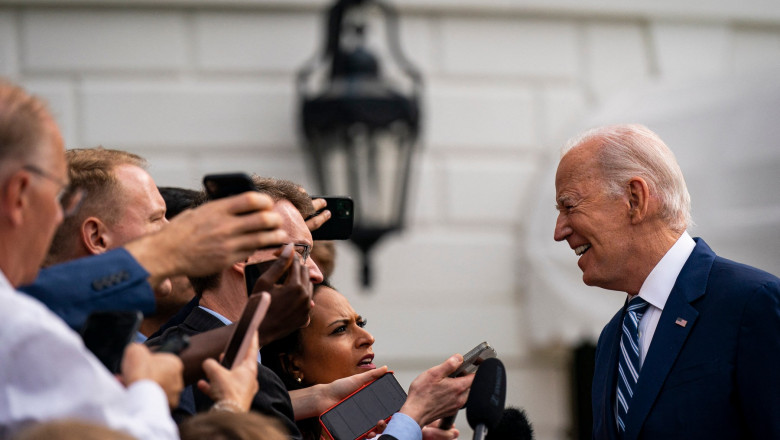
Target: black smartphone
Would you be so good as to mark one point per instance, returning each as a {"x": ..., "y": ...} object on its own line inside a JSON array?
[
  {"x": 254, "y": 312},
  {"x": 253, "y": 272},
  {"x": 358, "y": 413},
  {"x": 339, "y": 225},
  {"x": 228, "y": 184},
  {"x": 107, "y": 333},
  {"x": 174, "y": 343},
  {"x": 471, "y": 361}
]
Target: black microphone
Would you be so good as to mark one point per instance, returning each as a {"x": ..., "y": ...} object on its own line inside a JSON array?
[
  {"x": 485, "y": 404},
  {"x": 513, "y": 425}
]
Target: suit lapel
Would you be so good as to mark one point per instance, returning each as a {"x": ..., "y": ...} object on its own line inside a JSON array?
[
  {"x": 670, "y": 335},
  {"x": 605, "y": 379}
]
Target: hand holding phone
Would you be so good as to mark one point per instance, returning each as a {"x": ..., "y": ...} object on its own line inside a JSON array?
[
  {"x": 107, "y": 333},
  {"x": 339, "y": 225},
  {"x": 471, "y": 361},
  {"x": 254, "y": 312},
  {"x": 355, "y": 416}
]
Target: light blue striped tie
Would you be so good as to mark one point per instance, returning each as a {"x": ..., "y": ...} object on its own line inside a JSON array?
[{"x": 628, "y": 363}]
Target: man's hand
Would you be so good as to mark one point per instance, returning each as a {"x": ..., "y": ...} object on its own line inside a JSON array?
[
  {"x": 433, "y": 394},
  {"x": 314, "y": 400},
  {"x": 432, "y": 432},
  {"x": 314, "y": 222},
  {"x": 204, "y": 240},
  {"x": 139, "y": 363},
  {"x": 290, "y": 302},
  {"x": 236, "y": 386}
]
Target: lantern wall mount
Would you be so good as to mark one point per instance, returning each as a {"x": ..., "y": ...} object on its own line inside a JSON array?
[{"x": 360, "y": 119}]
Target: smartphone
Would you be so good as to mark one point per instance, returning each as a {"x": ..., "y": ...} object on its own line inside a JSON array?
[
  {"x": 174, "y": 343},
  {"x": 473, "y": 358},
  {"x": 226, "y": 185},
  {"x": 253, "y": 272},
  {"x": 339, "y": 225},
  {"x": 358, "y": 413},
  {"x": 254, "y": 312},
  {"x": 107, "y": 333},
  {"x": 471, "y": 361}
]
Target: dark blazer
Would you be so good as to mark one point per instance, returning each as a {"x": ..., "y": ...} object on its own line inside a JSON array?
[
  {"x": 713, "y": 368},
  {"x": 272, "y": 399},
  {"x": 109, "y": 281}
]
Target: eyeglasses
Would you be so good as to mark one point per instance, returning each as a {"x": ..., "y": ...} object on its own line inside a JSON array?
[
  {"x": 68, "y": 198},
  {"x": 303, "y": 250}
]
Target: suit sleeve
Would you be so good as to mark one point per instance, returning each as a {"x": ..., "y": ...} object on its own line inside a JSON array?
[
  {"x": 110, "y": 281},
  {"x": 757, "y": 362}
]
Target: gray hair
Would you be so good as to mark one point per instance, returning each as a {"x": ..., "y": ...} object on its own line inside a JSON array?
[{"x": 633, "y": 150}]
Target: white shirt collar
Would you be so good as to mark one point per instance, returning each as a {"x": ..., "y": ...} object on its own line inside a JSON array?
[
  {"x": 658, "y": 285},
  {"x": 217, "y": 315},
  {"x": 5, "y": 285}
]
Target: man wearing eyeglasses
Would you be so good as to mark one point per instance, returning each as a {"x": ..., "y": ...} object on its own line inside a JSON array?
[
  {"x": 33, "y": 182},
  {"x": 223, "y": 296}
]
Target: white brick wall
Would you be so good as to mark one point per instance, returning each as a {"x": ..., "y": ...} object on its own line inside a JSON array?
[
  {"x": 199, "y": 89},
  {"x": 88, "y": 40},
  {"x": 257, "y": 41}
]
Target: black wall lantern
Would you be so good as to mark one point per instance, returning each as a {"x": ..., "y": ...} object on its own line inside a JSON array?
[{"x": 361, "y": 118}]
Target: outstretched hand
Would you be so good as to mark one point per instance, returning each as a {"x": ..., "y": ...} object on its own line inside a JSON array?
[
  {"x": 237, "y": 385},
  {"x": 433, "y": 394},
  {"x": 205, "y": 240},
  {"x": 314, "y": 400}
]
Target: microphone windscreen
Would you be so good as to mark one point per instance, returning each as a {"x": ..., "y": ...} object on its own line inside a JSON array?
[
  {"x": 485, "y": 403},
  {"x": 513, "y": 425}
]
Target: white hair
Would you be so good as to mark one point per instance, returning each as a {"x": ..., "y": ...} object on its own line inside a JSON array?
[{"x": 633, "y": 150}]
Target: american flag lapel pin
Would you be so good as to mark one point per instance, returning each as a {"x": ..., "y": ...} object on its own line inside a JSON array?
[{"x": 681, "y": 322}]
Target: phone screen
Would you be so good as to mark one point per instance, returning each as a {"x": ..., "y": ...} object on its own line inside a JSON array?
[
  {"x": 107, "y": 334},
  {"x": 355, "y": 416}
]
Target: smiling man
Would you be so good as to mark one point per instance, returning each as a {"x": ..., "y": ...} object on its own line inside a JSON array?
[{"x": 694, "y": 352}]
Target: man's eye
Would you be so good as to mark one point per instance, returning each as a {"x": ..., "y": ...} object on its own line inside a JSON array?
[{"x": 362, "y": 323}]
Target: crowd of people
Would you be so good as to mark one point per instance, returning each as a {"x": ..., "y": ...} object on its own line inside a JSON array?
[
  {"x": 692, "y": 354},
  {"x": 87, "y": 230}
]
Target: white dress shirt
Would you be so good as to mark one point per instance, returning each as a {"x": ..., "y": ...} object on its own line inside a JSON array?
[
  {"x": 657, "y": 287},
  {"x": 47, "y": 373}
]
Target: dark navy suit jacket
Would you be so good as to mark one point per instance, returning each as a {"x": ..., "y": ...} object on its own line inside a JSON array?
[
  {"x": 272, "y": 399},
  {"x": 713, "y": 368},
  {"x": 109, "y": 281}
]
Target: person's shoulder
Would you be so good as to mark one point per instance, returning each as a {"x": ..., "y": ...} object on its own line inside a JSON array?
[{"x": 730, "y": 271}]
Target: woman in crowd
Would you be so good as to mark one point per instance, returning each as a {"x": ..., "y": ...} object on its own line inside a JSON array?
[{"x": 334, "y": 345}]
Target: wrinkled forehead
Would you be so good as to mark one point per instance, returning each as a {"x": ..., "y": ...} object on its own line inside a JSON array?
[{"x": 578, "y": 165}]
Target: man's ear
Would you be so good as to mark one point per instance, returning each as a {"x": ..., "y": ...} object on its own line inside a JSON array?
[
  {"x": 239, "y": 266},
  {"x": 638, "y": 199},
  {"x": 13, "y": 197},
  {"x": 95, "y": 235}
]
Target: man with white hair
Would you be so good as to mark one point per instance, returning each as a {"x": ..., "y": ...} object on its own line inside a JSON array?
[{"x": 695, "y": 351}]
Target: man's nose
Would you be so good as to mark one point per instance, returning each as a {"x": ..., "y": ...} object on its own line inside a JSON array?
[
  {"x": 315, "y": 275},
  {"x": 562, "y": 228}
]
